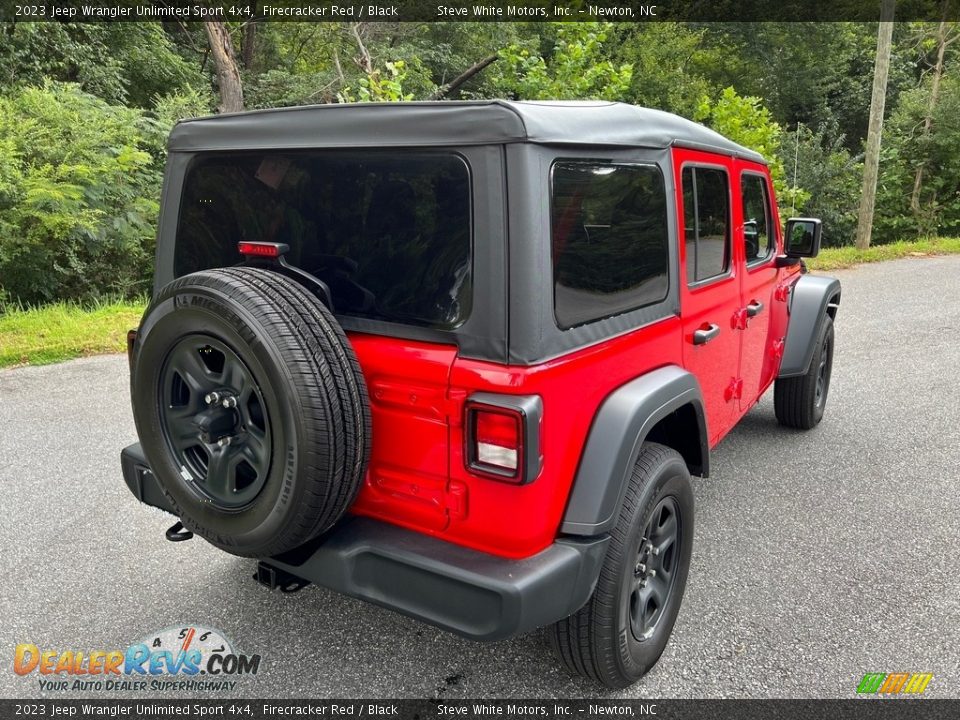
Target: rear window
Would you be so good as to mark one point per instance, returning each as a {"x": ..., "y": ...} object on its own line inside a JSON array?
[{"x": 389, "y": 232}]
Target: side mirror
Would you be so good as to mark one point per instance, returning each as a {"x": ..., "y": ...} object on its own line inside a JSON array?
[{"x": 802, "y": 238}]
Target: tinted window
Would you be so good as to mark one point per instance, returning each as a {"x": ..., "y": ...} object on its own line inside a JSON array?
[
  {"x": 706, "y": 214},
  {"x": 609, "y": 229},
  {"x": 389, "y": 232},
  {"x": 758, "y": 236}
]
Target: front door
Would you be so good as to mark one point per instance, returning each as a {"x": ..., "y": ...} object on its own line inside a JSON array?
[
  {"x": 758, "y": 231},
  {"x": 709, "y": 283}
]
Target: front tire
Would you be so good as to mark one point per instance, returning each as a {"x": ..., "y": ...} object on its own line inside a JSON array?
[
  {"x": 799, "y": 402},
  {"x": 623, "y": 629}
]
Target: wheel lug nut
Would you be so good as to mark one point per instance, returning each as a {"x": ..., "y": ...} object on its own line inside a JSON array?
[
  {"x": 230, "y": 402},
  {"x": 223, "y": 442},
  {"x": 653, "y": 573},
  {"x": 212, "y": 398},
  {"x": 655, "y": 551}
]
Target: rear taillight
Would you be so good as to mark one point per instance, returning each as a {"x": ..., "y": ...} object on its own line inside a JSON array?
[
  {"x": 503, "y": 436},
  {"x": 499, "y": 439}
]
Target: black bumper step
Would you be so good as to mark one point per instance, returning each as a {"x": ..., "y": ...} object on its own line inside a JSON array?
[{"x": 474, "y": 594}]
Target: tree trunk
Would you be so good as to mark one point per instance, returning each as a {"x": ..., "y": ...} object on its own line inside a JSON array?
[
  {"x": 871, "y": 162},
  {"x": 225, "y": 60},
  {"x": 249, "y": 44}
]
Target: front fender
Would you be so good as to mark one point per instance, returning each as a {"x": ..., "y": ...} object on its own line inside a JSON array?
[
  {"x": 810, "y": 297},
  {"x": 621, "y": 425}
]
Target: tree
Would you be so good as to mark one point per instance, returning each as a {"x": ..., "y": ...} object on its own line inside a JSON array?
[
  {"x": 669, "y": 61},
  {"x": 746, "y": 121},
  {"x": 576, "y": 67},
  {"x": 225, "y": 60},
  {"x": 946, "y": 34},
  {"x": 871, "y": 161},
  {"x": 79, "y": 192},
  {"x": 818, "y": 161}
]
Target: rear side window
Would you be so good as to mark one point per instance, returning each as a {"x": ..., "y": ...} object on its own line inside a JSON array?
[
  {"x": 706, "y": 221},
  {"x": 389, "y": 232},
  {"x": 758, "y": 236},
  {"x": 609, "y": 240}
]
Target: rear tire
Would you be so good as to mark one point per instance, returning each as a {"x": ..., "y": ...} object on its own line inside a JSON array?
[
  {"x": 621, "y": 631},
  {"x": 799, "y": 402},
  {"x": 251, "y": 409}
]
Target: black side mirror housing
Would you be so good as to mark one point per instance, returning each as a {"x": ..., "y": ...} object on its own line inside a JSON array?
[{"x": 802, "y": 238}]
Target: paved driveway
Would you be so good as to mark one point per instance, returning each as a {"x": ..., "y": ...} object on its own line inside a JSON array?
[{"x": 819, "y": 556}]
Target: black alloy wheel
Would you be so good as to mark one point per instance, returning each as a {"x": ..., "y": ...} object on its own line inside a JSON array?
[
  {"x": 654, "y": 576},
  {"x": 215, "y": 421},
  {"x": 823, "y": 370}
]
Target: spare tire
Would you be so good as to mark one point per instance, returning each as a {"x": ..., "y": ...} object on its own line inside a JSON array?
[{"x": 251, "y": 409}]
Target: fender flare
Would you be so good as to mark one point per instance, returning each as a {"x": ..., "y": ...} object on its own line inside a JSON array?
[
  {"x": 619, "y": 429},
  {"x": 810, "y": 298}
]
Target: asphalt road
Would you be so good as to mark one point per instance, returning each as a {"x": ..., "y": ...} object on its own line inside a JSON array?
[{"x": 818, "y": 557}]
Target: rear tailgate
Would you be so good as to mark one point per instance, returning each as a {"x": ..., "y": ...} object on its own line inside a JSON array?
[{"x": 408, "y": 482}]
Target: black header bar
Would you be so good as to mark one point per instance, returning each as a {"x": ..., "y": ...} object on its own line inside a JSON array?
[{"x": 480, "y": 11}]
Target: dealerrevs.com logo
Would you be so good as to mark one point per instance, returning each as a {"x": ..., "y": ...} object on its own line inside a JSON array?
[{"x": 191, "y": 658}]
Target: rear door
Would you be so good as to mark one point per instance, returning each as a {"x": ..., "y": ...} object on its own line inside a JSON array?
[
  {"x": 709, "y": 283},
  {"x": 757, "y": 233}
]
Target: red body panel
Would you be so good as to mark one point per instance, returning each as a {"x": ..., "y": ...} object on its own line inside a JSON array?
[
  {"x": 417, "y": 476},
  {"x": 408, "y": 478},
  {"x": 417, "y": 441},
  {"x": 759, "y": 360},
  {"x": 715, "y": 302}
]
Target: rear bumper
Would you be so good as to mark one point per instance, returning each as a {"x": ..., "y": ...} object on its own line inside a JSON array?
[{"x": 473, "y": 594}]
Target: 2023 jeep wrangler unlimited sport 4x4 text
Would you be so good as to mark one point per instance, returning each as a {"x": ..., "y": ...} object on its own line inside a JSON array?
[{"x": 460, "y": 359}]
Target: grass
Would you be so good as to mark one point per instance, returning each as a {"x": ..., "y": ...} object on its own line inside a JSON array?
[
  {"x": 61, "y": 331},
  {"x": 844, "y": 257}
]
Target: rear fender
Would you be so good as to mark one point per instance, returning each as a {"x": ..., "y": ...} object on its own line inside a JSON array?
[{"x": 619, "y": 429}]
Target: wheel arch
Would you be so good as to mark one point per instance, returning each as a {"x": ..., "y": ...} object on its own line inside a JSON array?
[
  {"x": 665, "y": 406},
  {"x": 811, "y": 297}
]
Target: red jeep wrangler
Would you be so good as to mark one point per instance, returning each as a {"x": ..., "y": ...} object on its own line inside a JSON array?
[{"x": 460, "y": 359}]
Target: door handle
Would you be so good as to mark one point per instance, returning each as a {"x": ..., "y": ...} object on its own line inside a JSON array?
[
  {"x": 705, "y": 335},
  {"x": 754, "y": 308}
]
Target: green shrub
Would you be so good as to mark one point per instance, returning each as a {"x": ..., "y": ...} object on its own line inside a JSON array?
[{"x": 79, "y": 189}]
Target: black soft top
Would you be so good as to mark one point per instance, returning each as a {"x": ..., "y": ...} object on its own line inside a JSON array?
[{"x": 450, "y": 123}]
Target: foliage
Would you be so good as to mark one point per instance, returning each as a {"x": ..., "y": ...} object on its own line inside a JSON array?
[
  {"x": 61, "y": 331},
  {"x": 574, "y": 68},
  {"x": 671, "y": 65},
  {"x": 818, "y": 161},
  {"x": 119, "y": 62},
  {"x": 85, "y": 110},
  {"x": 78, "y": 195},
  {"x": 377, "y": 86},
  {"x": 744, "y": 120},
  {"x": 908, "y": 147}
]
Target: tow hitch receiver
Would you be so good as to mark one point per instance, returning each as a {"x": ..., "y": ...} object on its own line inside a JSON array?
[
  {"x": 274, "y": 578},
  {"x": 178, "y": 533}
]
